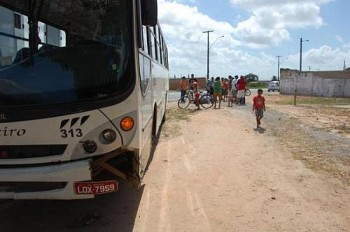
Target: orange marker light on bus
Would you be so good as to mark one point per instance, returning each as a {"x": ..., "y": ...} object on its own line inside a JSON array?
[{"x": 127, "y": 123}]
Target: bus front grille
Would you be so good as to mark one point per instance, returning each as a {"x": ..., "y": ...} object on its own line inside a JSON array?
[
  {"x": 30, "y": 151},
  {"x": 18, "y": 187}
]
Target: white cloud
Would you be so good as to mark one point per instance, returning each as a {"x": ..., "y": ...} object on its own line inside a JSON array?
[
  {"x": 184, "y": 1},
  {"x": 183, "y": 28},
  {"x": 270, "y": 22},
  {"x": 339, "y": 38},
  {"x": 251, "y": 5},
  {"x": 320, "y": 59},
  {"x": 327, "y": 58}
]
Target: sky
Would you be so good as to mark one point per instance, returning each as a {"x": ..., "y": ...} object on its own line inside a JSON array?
[{"x": 255, "y": 33}]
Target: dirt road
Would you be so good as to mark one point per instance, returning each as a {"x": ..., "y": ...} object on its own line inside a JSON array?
[{"x": 212, "y": 171}]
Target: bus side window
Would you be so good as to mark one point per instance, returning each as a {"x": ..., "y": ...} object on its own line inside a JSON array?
[
  {"x": 145, "y": 62},
  {"x": 156, "y": 42},
  {"x": 159, "y": 44},
  {"x": 153, "y": 43},
  {"x": 163, "y": 52},
  {"x": 145, "y": 37},
  {"x": 166, "y": 61},
  {"x": 145, "y": 73}
]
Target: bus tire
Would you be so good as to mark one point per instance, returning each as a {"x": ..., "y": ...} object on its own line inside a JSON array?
[
  {"x": 154, "y": 123},
  {"x": 164, "y": 117},
  {"x": 165, "y": 105}
]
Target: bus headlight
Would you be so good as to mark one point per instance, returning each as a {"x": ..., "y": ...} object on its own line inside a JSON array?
[
  {"x": 127, "y": 123},
  {"x": 89, "y": 146},
  {"x": 109, "y": 135}
]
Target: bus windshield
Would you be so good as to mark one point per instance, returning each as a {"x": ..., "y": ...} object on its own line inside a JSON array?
[{"x": 63, "y": 51}]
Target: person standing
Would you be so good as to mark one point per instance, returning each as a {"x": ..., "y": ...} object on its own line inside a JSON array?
[
  {"x": 225, "y": 87},
  {"x": 234, "y": 88},
  {"x": 230, "y": 78},
  {"x": 212, "y": 86},
  {"x": 217, "y": 91},
  {"x": 241, "y": 86},
  {"x": 259, "y": 107},
  {"x": 183, "y": 87},
  {"x": 191, "y": 81},
  {"x": 208, "y": 85},
  {"x": 196, "y": 94},
  {"x": 230, "y": 98}
]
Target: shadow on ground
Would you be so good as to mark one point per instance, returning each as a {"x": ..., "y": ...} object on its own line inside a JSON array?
[
  {"x": 111, "y": 212},
  {"x": 260, "y": 130}
]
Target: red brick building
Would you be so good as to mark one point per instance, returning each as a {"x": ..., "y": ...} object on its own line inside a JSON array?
[{"x": 174, "y": 83}]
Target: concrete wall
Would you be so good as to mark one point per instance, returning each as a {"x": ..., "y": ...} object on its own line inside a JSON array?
[
  {"x": 174, "y": 83},
  {"x": 325, "y": 84}
]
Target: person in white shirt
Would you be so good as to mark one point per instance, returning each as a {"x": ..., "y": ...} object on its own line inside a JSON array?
[{"x": 234, "y": 88}]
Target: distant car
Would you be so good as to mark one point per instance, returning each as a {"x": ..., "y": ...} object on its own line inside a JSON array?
[{"x": 273, "y": 85}]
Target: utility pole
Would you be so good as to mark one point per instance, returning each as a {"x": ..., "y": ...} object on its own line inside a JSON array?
[
  {"x": 300, "y": 69},
  {"x": 278, "y": 67},
  {"x": 208, "y": 51},
  {"x": 344, "y": 66}
]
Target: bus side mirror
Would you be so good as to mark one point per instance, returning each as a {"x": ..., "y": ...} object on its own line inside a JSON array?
[{"x": 149, "y": 11}]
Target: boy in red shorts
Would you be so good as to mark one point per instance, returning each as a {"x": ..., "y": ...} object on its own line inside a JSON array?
[{"x": 259, "y": 107}]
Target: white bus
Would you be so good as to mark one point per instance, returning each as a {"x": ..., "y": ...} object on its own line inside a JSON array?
[{"x": 83, "y": 92}]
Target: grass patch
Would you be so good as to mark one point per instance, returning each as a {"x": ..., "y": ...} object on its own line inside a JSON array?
[
  {"x": 306, "y": 100},
  {"x": 174, "y": 117},
  {"x": 256, "y": 85},
  {"x": 178, "y": 114}
]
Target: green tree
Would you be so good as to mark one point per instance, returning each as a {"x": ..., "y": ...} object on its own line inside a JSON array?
[
  {"x": 251, "y": 77},
  {"x": 274, "y": 78}
]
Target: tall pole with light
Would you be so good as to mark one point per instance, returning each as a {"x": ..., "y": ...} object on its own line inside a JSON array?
[
  {"x": 208, "y": 51},
  {"x": 300, "y": 68},
  {"x": 216, "y": 40}
]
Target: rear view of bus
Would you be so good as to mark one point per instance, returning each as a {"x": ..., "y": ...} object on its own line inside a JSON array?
[{"x": 71, "y": 100}]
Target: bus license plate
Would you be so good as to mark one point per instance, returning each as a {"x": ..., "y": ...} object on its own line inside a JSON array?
[{"x": 99, "y": 187}]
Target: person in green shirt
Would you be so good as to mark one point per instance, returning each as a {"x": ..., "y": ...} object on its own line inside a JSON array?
[{"x": 217, "y": 91}]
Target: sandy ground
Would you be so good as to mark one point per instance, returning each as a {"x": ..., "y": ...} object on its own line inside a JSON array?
[{"x": 212, "y": 171}]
